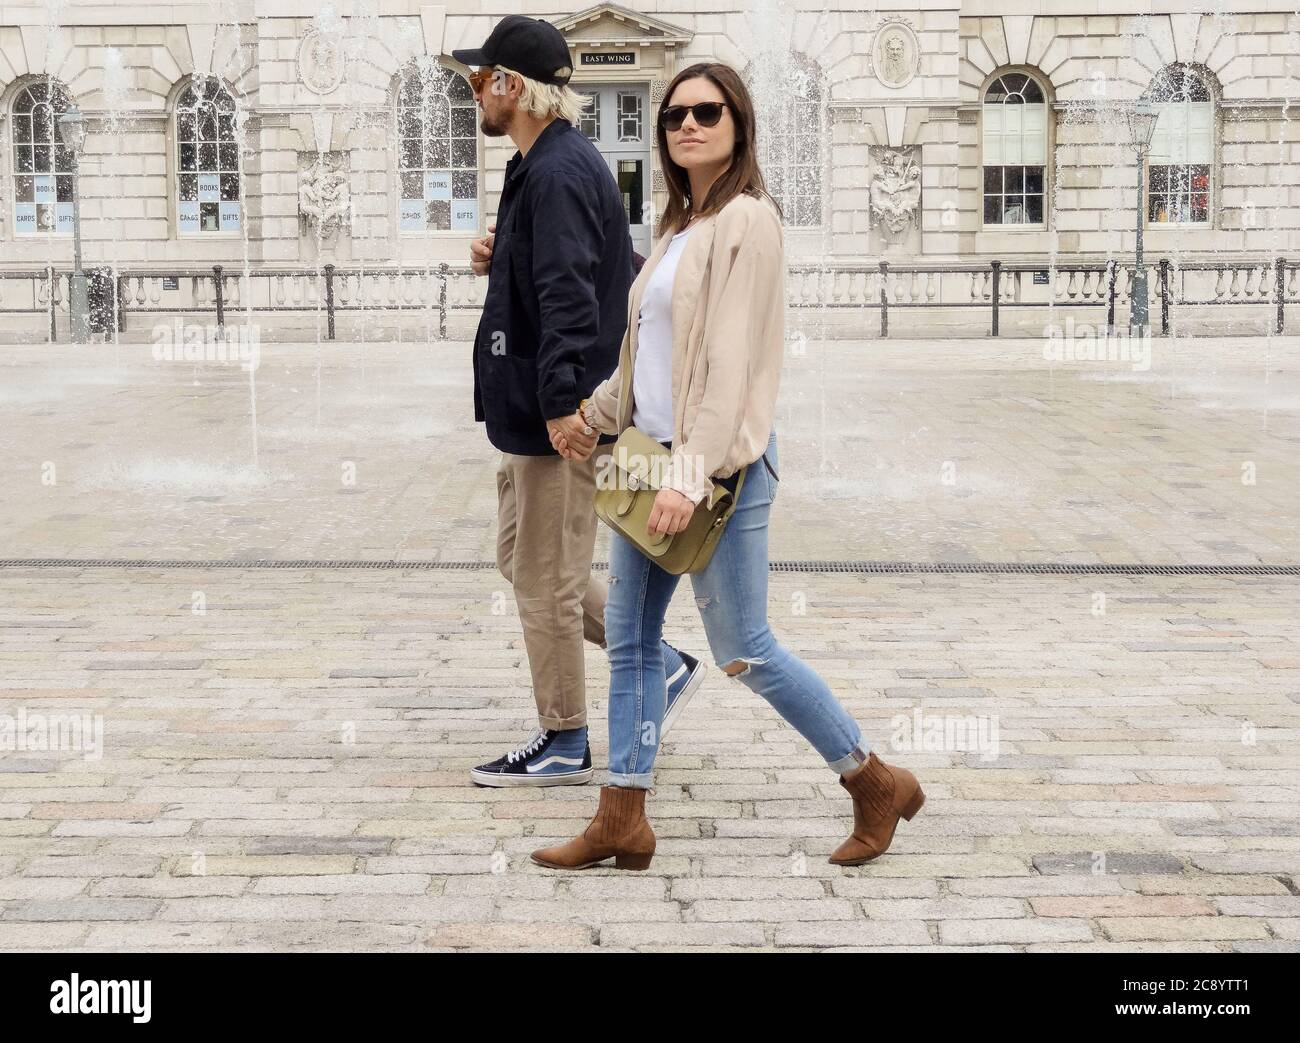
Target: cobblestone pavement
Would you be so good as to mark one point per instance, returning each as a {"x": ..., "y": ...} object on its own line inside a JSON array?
[
  {"x": 289, "y": 769},
  {"x": 284, "y": 752}
]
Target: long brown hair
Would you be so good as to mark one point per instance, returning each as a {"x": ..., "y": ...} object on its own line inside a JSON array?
[{"x": 743, "y": 176}]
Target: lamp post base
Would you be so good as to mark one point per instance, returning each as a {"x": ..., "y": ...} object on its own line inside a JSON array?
[
  {"x": 79, "y": 308},
  {"x": 1139, "y": 313}
]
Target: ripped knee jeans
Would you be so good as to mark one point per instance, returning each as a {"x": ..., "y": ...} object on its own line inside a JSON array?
[{"x": 731, "y": 595}]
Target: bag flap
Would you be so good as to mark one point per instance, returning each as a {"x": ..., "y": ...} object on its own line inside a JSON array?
[{"x": 639, "y": 456}]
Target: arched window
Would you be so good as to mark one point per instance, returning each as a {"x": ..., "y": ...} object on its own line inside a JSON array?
[
  {"x": 437, "y": 131},
  {"x": 1181, "y": 161},
  {"x": 207, "y": 158},
  {"x": 1014, "y": 122},
  {"x": 43, "y": 164},
  {"x": 788, "y": 92}
]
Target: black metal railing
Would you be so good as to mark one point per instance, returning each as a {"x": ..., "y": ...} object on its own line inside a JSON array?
[{"x": 995, "y": 286}]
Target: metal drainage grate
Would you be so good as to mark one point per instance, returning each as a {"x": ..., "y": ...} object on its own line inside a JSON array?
[{"x": 867, "y": 567}]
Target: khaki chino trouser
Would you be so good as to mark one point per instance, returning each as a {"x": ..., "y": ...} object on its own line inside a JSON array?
[{"x": 546, "y": 534}]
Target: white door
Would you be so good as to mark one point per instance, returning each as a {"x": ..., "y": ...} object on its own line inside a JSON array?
[{"x": 617, "y": 121}]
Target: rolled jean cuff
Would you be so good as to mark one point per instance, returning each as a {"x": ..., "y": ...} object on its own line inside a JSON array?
[
  {"x": 642, "y": 780},
  {"x": 851, "y": 760}
]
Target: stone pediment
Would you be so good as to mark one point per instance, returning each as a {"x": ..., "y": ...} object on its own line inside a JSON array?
[{"x": 612, "y": 25}]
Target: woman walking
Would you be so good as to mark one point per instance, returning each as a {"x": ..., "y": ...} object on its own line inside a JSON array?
[{"x": 705, "y": 340}]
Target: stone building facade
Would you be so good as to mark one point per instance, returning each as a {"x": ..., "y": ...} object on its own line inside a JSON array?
[{"x": 294, "y": 132}]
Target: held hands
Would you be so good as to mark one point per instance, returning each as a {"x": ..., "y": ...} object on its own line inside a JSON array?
[
  {"x": 480, "y": 252},
  {"x": 569, "y": 438}
]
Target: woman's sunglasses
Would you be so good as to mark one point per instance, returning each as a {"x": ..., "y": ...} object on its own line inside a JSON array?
[{"x": 706, "y": 113}]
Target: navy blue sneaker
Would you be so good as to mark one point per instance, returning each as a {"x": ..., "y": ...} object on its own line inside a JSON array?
[
  {"x": 682, "y": 684},
  {"x": 547, "y": 758}
]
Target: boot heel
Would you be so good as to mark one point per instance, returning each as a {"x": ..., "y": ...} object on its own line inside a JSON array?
[
  {"x": 914, "y": 805},
  {"x": 633, "y": 861}
]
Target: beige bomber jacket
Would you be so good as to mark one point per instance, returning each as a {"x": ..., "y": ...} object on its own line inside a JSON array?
[{"x": 728, "y": 345}]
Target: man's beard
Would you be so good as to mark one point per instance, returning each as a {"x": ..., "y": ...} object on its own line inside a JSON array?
[{"x": 492, "y": 130}]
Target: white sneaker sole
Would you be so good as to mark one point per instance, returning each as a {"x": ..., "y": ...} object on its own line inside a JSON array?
[
  {"x": 692, "y": 686},
  {"x": 568, "y": 778}
]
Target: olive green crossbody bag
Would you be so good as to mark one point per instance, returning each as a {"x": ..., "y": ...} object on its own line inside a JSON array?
[{"x": 625, "y": 496}]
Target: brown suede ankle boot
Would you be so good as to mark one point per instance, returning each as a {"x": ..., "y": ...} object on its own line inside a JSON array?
[
  {"x": 619, "y": 830},
  {"x": 881, "y": 793}
]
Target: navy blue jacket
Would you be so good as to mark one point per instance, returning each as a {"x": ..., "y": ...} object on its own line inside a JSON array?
[{"x": 556, "y": 306}]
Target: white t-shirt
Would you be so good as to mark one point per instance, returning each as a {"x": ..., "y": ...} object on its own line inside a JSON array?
[{"x": 652, "y": 376}]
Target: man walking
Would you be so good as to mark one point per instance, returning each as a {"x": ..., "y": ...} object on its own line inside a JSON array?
[{"x": 559, "y": 268}]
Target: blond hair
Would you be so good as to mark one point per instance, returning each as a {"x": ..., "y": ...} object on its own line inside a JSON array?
[{"x": 544, "y": 100}]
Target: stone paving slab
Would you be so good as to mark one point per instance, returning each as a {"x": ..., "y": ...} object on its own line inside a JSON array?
[{"x": 287, "y": 769}]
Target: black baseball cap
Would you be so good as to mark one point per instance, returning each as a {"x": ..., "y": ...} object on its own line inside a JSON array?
[{"x": 527, "y": 45}]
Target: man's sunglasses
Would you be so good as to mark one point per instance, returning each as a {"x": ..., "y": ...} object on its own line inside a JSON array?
[
  {"x": 706, "y": 113},
  {"x": 480, "y": 78}
]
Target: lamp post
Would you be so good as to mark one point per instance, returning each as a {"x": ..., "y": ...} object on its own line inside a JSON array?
[
  {"x": 1141, "y": 125},
  {"x": 73, "y": 126}
]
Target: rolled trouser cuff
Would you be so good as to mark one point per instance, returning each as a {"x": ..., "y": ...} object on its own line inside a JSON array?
[
  {"x": 640, "y": 780},
  {"x": 851, "y": 760}
]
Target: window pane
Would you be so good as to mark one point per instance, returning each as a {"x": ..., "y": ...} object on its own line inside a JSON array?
[
  {"x": 412, "y": 184},
  {"x": 459, "y": 90},
  {"x": 992, "y": 179},
  {"x": 463, "y": 123},
  {"x": 437, "y": 154},
  {"x": 1034, "y": 209},
  {"x": 1015, "y": 179},
  {"x": 42, "y": 127},
  {"x": 992, "y": 210},
  {"x": 629, "y": 116},
  {"x": 1034, "y": 179},
  {"x": 464, "y": 185},
  {"x": 439, "y": 211},
  {"x": 463, "y": 154}
]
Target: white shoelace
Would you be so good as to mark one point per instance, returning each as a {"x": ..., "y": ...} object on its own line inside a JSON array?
[{"x": 529, "y": 746}]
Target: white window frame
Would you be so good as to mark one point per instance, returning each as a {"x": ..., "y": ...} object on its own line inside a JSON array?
[
  {"x": 432, "y": 189},
  {"x": 1015, "y": 134}
]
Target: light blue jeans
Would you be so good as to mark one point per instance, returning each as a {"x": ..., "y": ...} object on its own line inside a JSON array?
[{"x": 731, "y": 593}]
